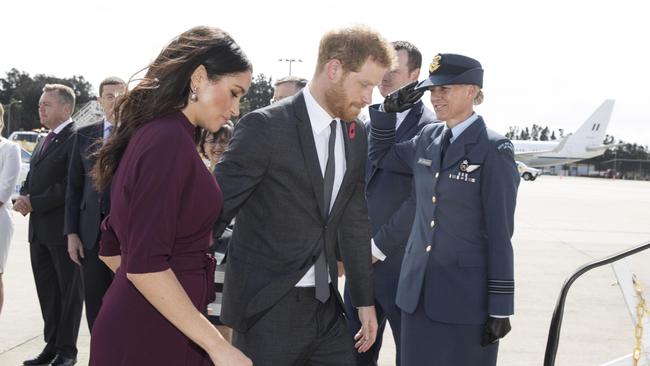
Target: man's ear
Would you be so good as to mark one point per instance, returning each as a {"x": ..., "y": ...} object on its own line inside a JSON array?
[
  {"x": 334, "y": 69},
  {"x": 415, "y": 74}
]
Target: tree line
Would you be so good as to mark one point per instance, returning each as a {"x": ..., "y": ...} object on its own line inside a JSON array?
[
  {"x": 627, "y": 159},
  {"x": 20, "y": 93}
]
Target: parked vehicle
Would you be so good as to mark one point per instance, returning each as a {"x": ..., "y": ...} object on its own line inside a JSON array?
[
  {"x": 27, "y": 139},
  {"x": 526, "y": 172}
]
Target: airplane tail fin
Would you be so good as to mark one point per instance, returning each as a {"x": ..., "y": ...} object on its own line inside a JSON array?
[{"x": 592, "y": 132}]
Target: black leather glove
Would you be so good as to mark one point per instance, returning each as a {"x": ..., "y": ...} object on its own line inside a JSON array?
[
  {"x": 495, "y": 329},
  {"x": 403, "y": 98}
]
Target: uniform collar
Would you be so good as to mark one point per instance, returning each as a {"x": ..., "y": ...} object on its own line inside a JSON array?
[{"x": 457, "y": 130}]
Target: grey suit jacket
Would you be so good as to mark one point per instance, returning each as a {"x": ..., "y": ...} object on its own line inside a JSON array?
[{"x": 271, "y": 180}]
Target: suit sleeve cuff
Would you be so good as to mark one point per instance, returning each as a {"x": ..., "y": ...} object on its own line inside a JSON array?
[
  {"x": 376, "y": 252},
  {"x": 499, "y": 316}
]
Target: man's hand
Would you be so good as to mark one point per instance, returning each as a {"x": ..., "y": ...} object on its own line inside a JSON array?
[
  {"x": 23, "y": 205},
  {"x": 75, "y": 248},
  {"x": 368, "y": 333},
  {"x": 403, "y": 98},
  {"x": 495, "y": 329}
]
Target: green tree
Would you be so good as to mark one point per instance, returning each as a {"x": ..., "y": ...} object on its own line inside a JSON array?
[
  {"x": 543, "y": 135},
  {"x": 259, "y": 95},
  {"x": 18, "y": 85}
]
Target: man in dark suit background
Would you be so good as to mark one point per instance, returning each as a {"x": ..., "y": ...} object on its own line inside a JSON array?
[
  {"x": 58, "y": 279},
  {"x": 294, "y": 175},
  {"x": 391, "y": 215},
  {"x": 84, "y": 206}
]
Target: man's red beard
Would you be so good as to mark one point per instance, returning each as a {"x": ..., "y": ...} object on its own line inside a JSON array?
[{"x": 338, "y": 102}]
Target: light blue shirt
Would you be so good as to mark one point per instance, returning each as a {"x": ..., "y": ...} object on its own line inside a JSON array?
[{"x": 459, "y": 128}]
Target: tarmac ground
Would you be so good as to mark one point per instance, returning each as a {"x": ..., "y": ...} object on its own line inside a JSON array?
[{"x": 561, "y": 223}]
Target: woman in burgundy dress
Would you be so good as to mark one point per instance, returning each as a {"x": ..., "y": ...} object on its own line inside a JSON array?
[{"x": 163, "y": 205}]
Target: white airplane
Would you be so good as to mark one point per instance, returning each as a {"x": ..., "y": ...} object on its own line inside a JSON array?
[{"x": 585, "y": 143}]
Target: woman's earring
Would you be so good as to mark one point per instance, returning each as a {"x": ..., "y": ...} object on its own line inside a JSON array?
[{"x": 193, "y": 97}]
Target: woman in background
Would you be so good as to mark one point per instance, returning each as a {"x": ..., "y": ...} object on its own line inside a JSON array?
[{"x": 212, "y": 146}]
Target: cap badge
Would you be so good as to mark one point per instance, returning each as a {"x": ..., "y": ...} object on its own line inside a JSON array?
[{"x": 435, "y": 64}]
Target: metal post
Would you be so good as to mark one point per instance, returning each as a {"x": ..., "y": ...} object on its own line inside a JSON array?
[
  {"x": 11, "y": 104},
  {"x": 290, "y": 61}
]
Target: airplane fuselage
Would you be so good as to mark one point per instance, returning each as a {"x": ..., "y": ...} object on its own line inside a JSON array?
[{"x": 545, "y": 156}]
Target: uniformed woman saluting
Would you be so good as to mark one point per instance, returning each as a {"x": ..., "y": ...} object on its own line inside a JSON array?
[{"x": 456, "y": 287}]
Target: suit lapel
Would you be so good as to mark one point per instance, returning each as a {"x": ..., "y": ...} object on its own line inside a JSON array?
[
  {"x": 308, "y": 148},
  {"x": 458, "y": 148},
  {"x": 54, "y": 145},
  {"x": 95, "y": 141},
  {"x": 349, "y": 155}
]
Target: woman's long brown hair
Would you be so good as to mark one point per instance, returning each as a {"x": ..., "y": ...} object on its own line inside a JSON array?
[{"x": 165, "y": 88}]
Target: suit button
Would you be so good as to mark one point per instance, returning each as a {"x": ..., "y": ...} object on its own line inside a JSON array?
[
  {"x": 433, "y": 199},
  {"x": 433, "y": 223},
  {"x": 428, "y": 248},
  {"x": 437, "y": 174}
]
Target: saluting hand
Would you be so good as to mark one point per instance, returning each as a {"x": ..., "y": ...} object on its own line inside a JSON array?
[
  {"x": 368, "y": 333},
  {"x": 403, "y": 98}
]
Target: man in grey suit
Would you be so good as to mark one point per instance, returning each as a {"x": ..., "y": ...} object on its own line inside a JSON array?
[{"x": 294, "y": 176}]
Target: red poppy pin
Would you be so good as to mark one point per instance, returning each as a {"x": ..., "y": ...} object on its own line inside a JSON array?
[{"x": 352, "y": 130}]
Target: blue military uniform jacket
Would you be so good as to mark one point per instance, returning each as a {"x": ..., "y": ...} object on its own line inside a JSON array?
[
  {"x": 459, "y": 255},
  {"x": 387, "y": 193}
]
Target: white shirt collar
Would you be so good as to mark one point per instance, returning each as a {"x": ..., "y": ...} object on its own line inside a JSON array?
[
  {"x": 318, "y": 116},
  {"x": 62, "y": 126}
]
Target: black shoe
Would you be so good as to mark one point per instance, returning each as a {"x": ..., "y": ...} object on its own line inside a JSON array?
[
  {"x": 43, "y": 359},
  {"x": 63, "y": 361}
]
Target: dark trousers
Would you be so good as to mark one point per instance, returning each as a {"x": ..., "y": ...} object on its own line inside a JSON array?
[
  {"x": 96, "y": 279},
  {"x": 387, "y": 311},
  {"x": 428, "y": 342},
  {"x": 299, "y": 330},
  {"x": 60, "y": 294}
]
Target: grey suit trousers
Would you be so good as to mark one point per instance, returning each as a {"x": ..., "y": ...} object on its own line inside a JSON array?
[{"x": 299, "y": 330}]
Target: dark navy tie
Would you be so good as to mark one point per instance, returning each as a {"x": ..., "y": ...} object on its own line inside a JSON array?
[
  {"x": 444, "y": 143},
  {"x": 320, "y": 266}
]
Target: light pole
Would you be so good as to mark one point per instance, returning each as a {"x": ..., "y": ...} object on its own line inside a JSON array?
[
  {"x": 11, "y": 104},
  {"x": 290, "y": 61}
]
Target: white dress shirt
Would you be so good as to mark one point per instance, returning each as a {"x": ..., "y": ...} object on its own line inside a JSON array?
[
  {"x": 320, "y": 125},
  {"x": 62, "y": 126}
]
